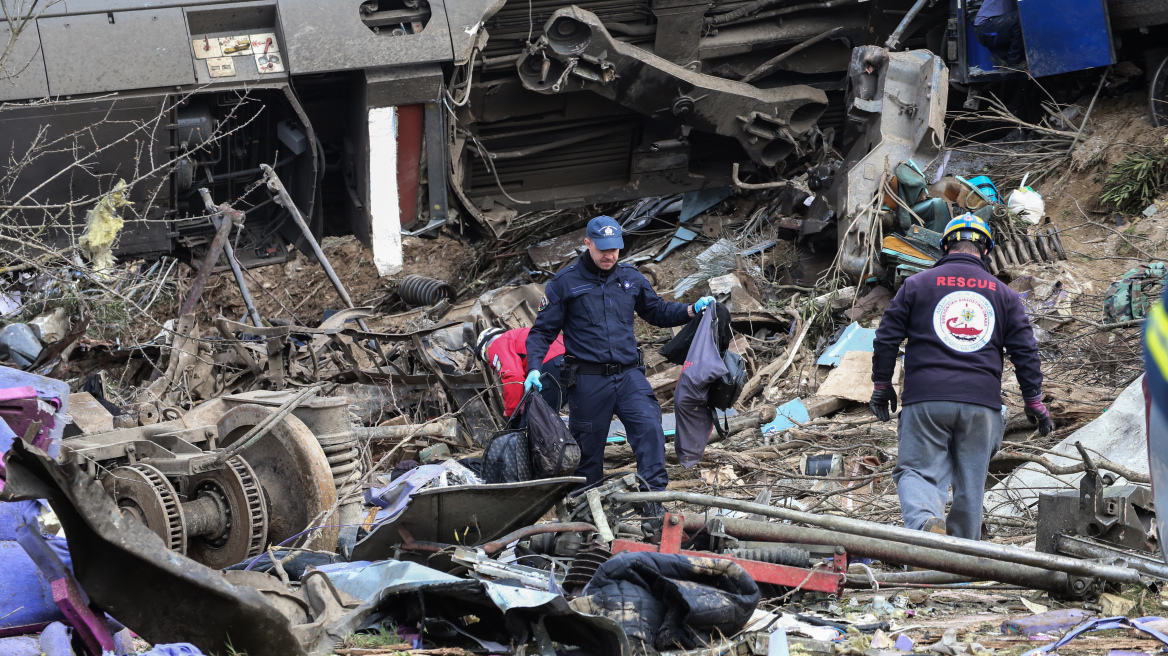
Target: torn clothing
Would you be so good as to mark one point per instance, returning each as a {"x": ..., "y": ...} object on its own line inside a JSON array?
[
  {"x": 594, "y": 399},
  {"x": 958, "y": 319},
  {"x": 691, "y": 404},
  {"x": 507, "y": 355},
  {"x": 596, "y": 315},
  {"x": 942, "y": 443},
  {"x": 667, "y": 601}
]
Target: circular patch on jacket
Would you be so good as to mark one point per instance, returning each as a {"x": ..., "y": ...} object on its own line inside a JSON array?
[{"x": 964, "y": 321}]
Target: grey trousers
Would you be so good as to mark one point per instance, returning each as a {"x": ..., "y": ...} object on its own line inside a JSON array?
[{"x": 943, "y": 443}]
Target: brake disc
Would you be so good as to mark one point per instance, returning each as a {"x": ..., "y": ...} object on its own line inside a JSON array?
[
  {"x": 142, "y": 491},
  {"x": 236, "y": 491},
  {"x": 291, "y": 469}
]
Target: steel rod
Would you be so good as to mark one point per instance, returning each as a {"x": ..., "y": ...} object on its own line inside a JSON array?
[
  {"x": 847, "y": 525},
  {"x": 229, "y": 251},
  {"x": 1080, "y": 548},
  {"x": 920, "y": 577},
  {"x": 275, "y": 185},
  {"x": 893, "y": 42},
  {"x": 267, "y": 423},
  {"x": 896, "y": 552},
  {"x": 209, "y": 261}
]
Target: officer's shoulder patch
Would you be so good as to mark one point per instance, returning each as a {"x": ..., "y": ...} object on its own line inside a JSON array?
[{"x": 543, "y": 302}]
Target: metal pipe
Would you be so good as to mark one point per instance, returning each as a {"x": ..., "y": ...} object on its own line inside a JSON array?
[
  {"x": 495, "y": 546},
  {"x": 766, "y": 68},
  {"x": 893, "y": 41},
  {"x": 552, "y": 145},
  {"x": 746, "y": 185},
  {"x": 895, "y": 533},
  {"x": 895, "y": 552},
  {"x": 920, "y": 577},
  {"x": 209, "y": 262},
  {"x": 446, "y": 427},
  {"x": 276, "y": 186},
  {"x": 1081, "y": 548}
]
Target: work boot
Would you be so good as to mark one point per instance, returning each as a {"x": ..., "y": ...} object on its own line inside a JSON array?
[{"x": 935, "y": 525}]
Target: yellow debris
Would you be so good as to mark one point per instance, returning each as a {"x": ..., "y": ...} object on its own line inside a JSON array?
[{"x": 102, "y": 224}]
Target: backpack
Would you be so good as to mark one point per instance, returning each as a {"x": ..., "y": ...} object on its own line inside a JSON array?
[
  {"x": 1125, "y": 299},
  {"x": 554, "y": 452},
  {"x": 507, "y": 455},
  {"x": 724, "y": 391}
]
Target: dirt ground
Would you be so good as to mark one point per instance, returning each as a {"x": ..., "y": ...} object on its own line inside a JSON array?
[{"x": 300, "y": 291}]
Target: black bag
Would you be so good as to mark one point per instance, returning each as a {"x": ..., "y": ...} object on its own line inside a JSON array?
[
  {"x": 507, "y": 454},
  {"x": 554, "y": 452},
  {"x": 724, "y": 392},
  {"x": 678, "y": 347}
]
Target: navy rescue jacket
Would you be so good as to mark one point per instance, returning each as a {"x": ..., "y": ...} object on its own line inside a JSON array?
[
  {"x": 595, "y": 314},
  {"x": 958, "y": 319}
]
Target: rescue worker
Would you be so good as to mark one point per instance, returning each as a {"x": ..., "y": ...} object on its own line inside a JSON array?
[
  {"x": 957, "y": 319},
  {"x": 506, "y": 353},
  {"x": 998, "y": 27},
  {"x": 593, "y": 300}
]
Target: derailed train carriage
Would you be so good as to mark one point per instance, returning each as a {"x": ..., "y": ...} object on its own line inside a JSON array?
[{"x": 390, "y": 115}]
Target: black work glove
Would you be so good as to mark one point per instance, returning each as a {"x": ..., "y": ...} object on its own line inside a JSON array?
[
  {"x": 882, "y": 395},
  {"x": 1037, "y": 413}
]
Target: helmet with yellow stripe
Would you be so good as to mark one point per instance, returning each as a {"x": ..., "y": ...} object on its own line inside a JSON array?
[{"x": 968, "y": 227}]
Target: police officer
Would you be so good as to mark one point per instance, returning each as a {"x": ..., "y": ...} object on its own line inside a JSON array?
[
  {"x": 957, "y": 318},
  {"x": 592, "y": 301}
]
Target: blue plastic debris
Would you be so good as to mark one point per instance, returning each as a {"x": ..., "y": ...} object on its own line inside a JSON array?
[
  {"x": 778, "y": 645},
  {"x": 176, "y": 649},
  {"x": 55, "y": 640},
  {"x": 1101, "y": 624},
  {"x": 694, "y": 203},
  {"x": 854, "y": 338},
  {"x": 785, "y": 417},
  {"x": 20, "y": 646}
]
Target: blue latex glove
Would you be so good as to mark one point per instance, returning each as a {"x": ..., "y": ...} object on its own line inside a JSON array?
[
  {"x": 702, "y": 303},
  {"x": 532, "y": 379}
]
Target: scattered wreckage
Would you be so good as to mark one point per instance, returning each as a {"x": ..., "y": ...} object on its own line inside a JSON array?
[
  {"x": 276, "y": 488},
  {"x": 268, "y": 508}
]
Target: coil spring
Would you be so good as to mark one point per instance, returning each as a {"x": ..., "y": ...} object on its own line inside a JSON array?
[
  {"x": 344, "y": 456},
  {"x": 584, "y": 566},
  {"x": 789, "y": 556},
  {"x": 1045, "y": 246},
  {"x": 420, "y": 290}
]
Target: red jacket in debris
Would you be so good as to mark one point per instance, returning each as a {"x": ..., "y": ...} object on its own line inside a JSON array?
[{"x": 507, "y": 355}]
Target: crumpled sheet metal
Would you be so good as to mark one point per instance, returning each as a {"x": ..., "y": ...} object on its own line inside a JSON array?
[
  {"x": 130, "y": 574},
  {"x": 506, "y": 610},
  {"x": 437, "y": 514}
]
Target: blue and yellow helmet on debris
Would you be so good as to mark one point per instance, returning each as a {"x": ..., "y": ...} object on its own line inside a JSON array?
[{"x": 968, "y": 227}]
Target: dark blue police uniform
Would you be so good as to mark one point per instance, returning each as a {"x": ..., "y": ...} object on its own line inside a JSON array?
[{"x": 595, "y": 314}]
